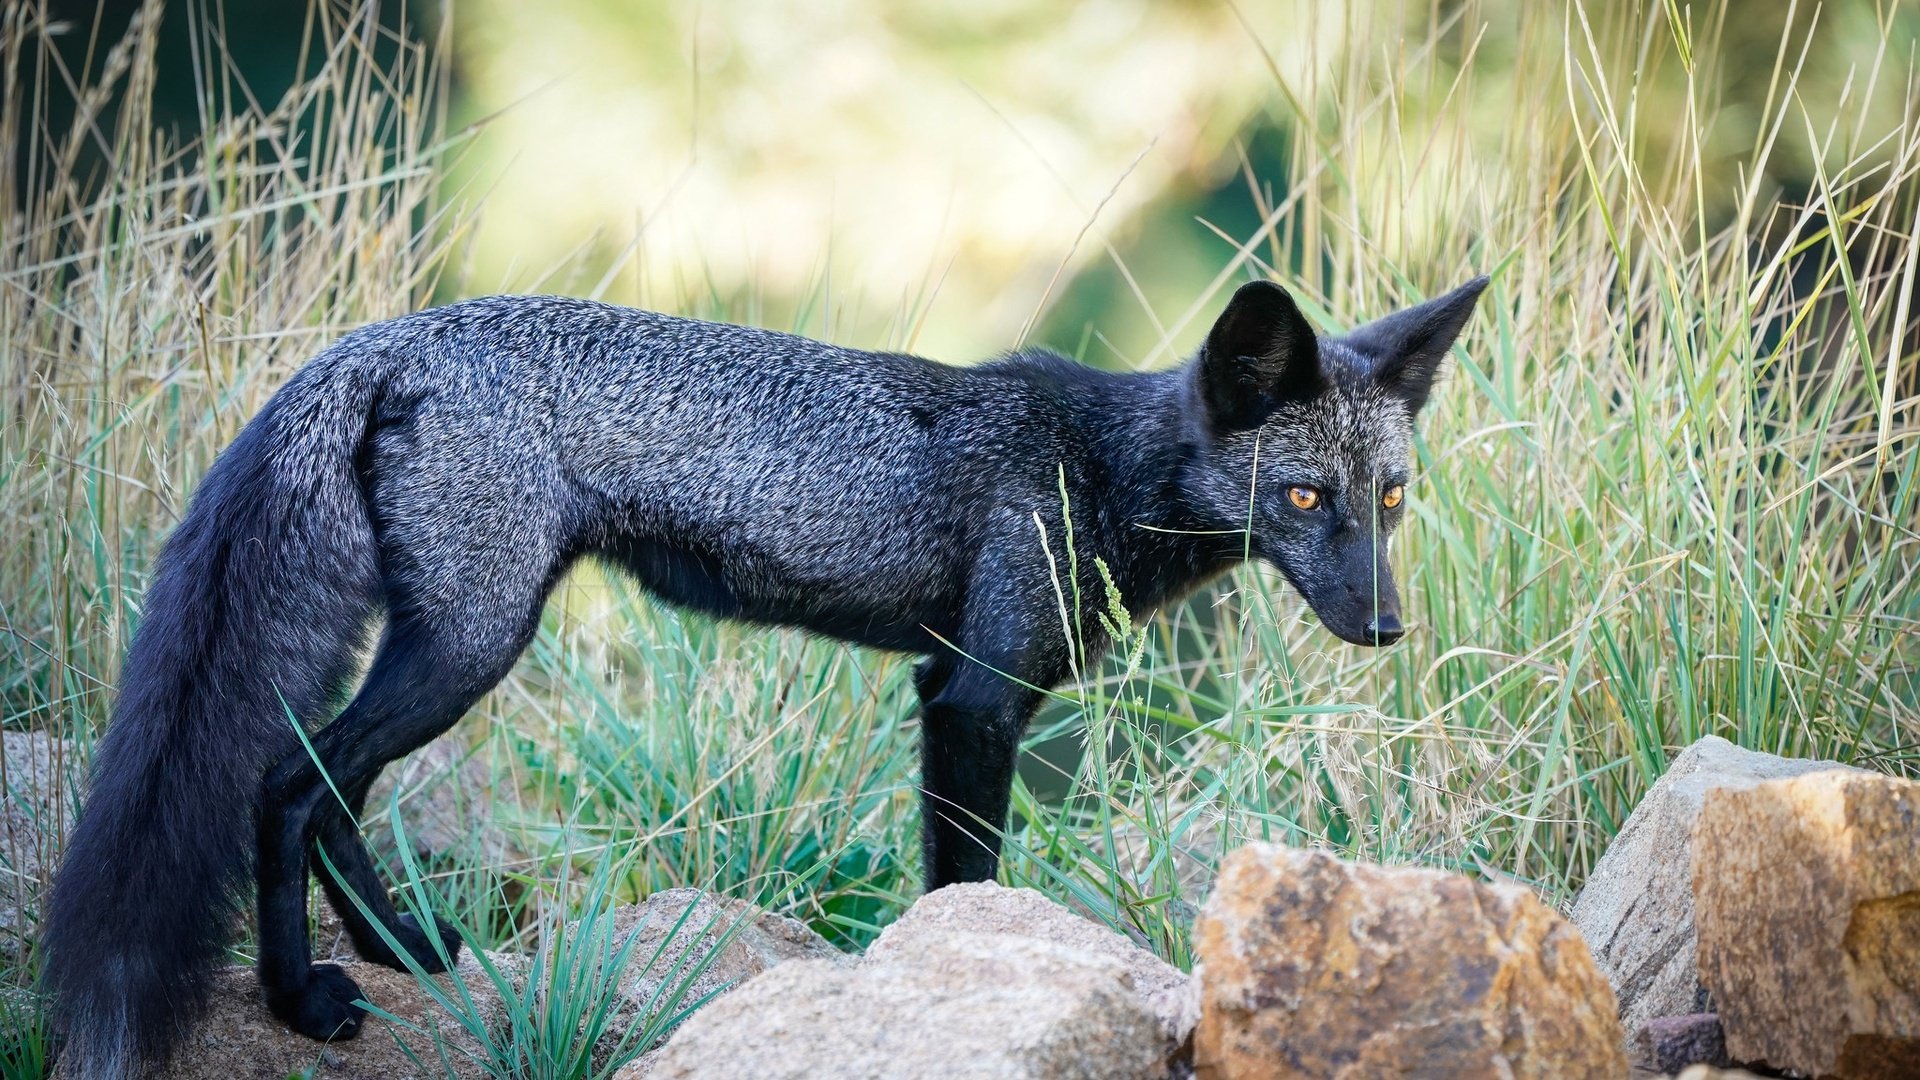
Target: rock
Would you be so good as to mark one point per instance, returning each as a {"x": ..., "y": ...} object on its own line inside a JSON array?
[
  {"x": 948, "y": 1005},
  {"x": 1315, "y": 967},
  {"x": 988, "y": 908},
  {"x": 640, "y": 1068},
  {"x": 1636, "y": 910},
  {"x": 449, "y": 802},
  {"x": 1708, "y": 1072},
  {"x": 1672, "y": 1043},
  {"x": 36, "y": 809},
  {"x": 1807, "y": 900},
  {"x": 240, "y": 1040},
  {"x": 679, "y": 929}
]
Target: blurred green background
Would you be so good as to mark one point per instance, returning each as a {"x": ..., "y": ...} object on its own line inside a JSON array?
[{"x": 964, "y": 175}]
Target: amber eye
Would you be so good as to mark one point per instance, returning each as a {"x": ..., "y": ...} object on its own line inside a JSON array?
[
  {"x": 1392, "y": 496},
  {"x": 1305, "y": 498}
]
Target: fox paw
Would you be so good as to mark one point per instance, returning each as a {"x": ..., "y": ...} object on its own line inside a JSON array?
[
  {"x": 324, "y": 1008},
  {"x": 413, "y": 942}
]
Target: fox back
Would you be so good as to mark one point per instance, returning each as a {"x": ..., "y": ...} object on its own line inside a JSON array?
[{"x": 742, "y": 472}]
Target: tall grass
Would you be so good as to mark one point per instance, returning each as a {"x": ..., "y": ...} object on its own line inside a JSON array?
[{"x": 1669, "y": 492}]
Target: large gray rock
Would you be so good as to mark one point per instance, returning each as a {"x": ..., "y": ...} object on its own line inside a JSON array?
[
  {"x": 692, "y": 944},
  {"x": 987, "y": 908},
  {"x": 1636, "y": 910},
  {"x": 947, "y": 1005}
]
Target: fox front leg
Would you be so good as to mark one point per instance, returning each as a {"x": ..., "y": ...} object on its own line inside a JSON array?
[
  {"x": 969, "y": 739},
  {"x": 976, "y": 702}
]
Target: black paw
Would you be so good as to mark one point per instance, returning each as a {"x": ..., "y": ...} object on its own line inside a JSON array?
[
  {"x": 324, "y": 1009},
  {"x": 421, "y": 948},
  {"x": 413, "y": 942}
]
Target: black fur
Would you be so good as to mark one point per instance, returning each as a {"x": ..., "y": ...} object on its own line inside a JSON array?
[
  {"x": 258, "y": 602},
  {"x": 1408, "y": 346},
  {"x": 449, "y": 466}
]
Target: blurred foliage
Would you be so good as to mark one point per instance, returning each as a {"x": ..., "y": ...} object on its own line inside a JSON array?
[
  {"x": 944, "y": 159},
  {"x": 977, "y": 174},
  {"x": 956, "y": 162}
]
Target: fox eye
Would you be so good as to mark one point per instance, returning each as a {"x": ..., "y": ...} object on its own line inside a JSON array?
[
  {"x": 1305, "y": 498},
  {"x": 1391, "y": 497}
]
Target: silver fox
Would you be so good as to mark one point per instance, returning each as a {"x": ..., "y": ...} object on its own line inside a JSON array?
[{"x": 446, "y": 468}]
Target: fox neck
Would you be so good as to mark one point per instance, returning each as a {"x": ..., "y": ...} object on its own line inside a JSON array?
[{"x": 1162, "y": 548}]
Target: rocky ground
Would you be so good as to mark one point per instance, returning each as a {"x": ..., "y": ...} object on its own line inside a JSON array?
[{"x": 1753, "y": 910}]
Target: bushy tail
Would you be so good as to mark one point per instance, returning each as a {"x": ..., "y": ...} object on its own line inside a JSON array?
[{"x": 260, "y": 598}]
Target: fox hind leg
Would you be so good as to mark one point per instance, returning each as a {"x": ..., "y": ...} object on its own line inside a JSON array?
[
  {"x": 345, "y": 870},
  {"x": 429, "y": 670}
]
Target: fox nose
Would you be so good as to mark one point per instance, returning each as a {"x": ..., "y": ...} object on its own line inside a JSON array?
[{"x": 1385, "y": 628}]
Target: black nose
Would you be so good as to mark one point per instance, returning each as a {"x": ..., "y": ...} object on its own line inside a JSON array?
[{"x": 1385, "y": 629}]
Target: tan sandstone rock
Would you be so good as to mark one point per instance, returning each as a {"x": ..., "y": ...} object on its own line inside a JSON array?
[
  {"x": 241, "y": 1040},
  {"x": 988, "y": 908},
  {"x": 1315, "y": 967},
  {"x": 1636, "y": 909},
  {"x": 948, "y": 1005},
  {"x": 1807, "y": 899}
]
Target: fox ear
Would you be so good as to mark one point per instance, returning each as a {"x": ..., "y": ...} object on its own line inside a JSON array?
[
  {"x": 1408, "y": 346},
  {"x": 1259, "y": 352}
]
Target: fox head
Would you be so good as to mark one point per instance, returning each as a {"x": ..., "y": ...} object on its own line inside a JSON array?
[{"x": 1305, "y": 443}]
